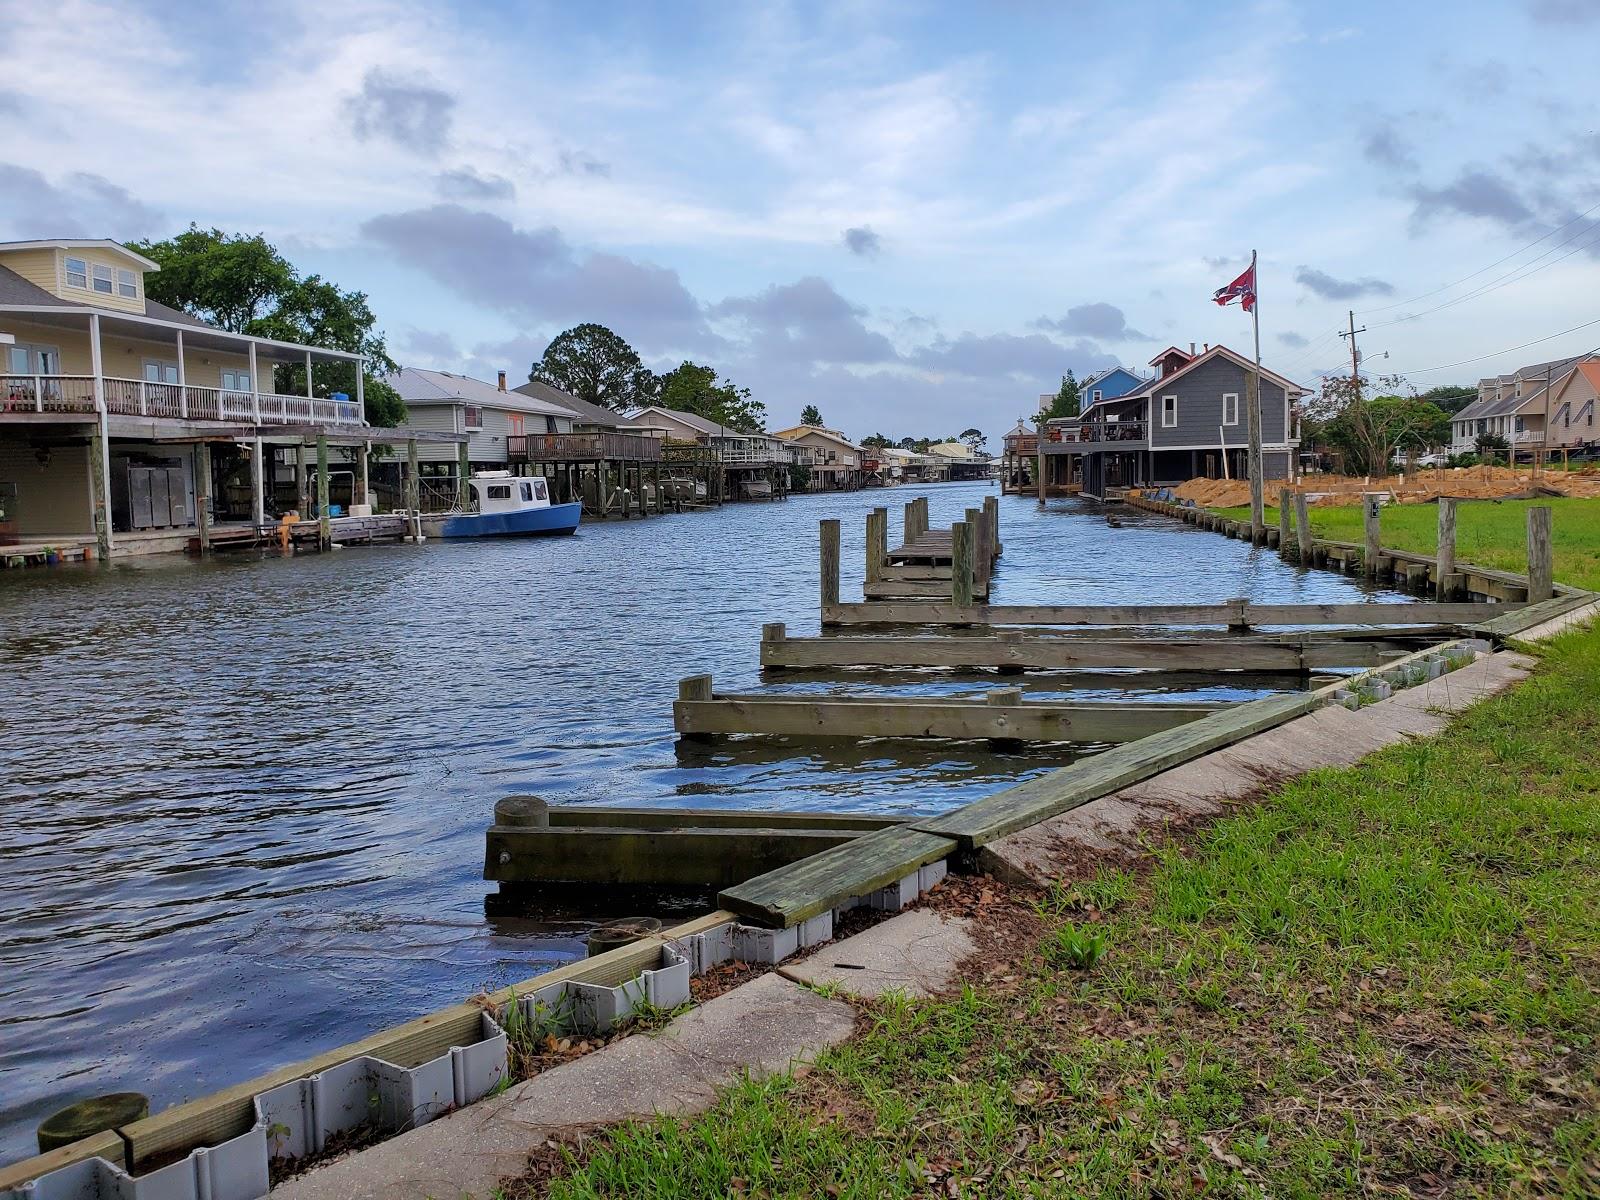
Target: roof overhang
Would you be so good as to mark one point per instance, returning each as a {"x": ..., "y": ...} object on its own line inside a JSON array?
[
  {"x": 84, "y": 244},
  {"x": 199, "y": 336}
]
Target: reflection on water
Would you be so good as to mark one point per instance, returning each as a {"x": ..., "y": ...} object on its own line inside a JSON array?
[{"x": 244, "y": 800}]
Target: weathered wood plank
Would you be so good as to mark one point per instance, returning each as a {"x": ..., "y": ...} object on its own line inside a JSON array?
[
  {"x": 1101, "y": 774},
  {"x": 682, "y": 857},
  {"x": 912, "y": 612},
  {"x": 1527, "y": 616},
  {"x": 1065, "y": 653},
  {"x": 858, "y": 717},
  {"x": 594, "y": 816},
  {"x": 802, "y": 890}
]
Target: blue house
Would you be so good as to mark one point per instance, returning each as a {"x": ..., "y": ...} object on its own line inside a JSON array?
[{"x": 1107, "y": 385}]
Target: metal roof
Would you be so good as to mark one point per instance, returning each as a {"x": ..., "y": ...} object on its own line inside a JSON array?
[
  {"x": 589, "y": 414},
  {"x": 418, "y": 385}
]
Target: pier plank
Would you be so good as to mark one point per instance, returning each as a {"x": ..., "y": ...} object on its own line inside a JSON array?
[
  {"x": 1233, "y": 614},
  {"x": 802, "y": 890}
]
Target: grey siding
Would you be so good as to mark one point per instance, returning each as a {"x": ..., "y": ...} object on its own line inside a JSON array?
[
  {"x": 1200, "y": 395},
  {"x": 436, "y": 418},
  {"x": 486, "y": 445}
]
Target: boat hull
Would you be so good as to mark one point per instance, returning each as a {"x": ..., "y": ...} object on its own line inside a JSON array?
[{"x": 553, "y": 521}]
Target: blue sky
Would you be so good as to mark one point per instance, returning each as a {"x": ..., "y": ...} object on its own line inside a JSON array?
[{"x": 916, "y": 217}]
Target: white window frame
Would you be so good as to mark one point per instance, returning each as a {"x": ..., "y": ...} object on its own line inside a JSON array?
[
  {"x": 83, "y": 276},
  {"x": 467, "y": 412},
  {"x": 35, "y": 353},
  {"x": 1096, "y": 394},
  {"x": 238, "y": 377},
  {"x": 166, "y": 370},
  {"x": 127, "y": 284},
  {"x": 1227, "y": 396},
  {"x": 95, "y": 279},
  {"x": 1169, "y": 412}
]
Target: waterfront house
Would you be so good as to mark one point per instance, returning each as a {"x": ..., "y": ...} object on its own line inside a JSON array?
[
  {"x": 493, "y": 420},
  {"x": 835, "y": 459},
  {"x": 1572, "y": 406},
  {"x": 586, "y": 417},
  {"x": 752, "y": 464},
  {"x": 125, "y": 423},
  {"x": 1189, "y": 420},
  {"x": 1106, "y": 385},
  {"x": 1513, "y": 407},
  {"x": 961, "y": 461}
]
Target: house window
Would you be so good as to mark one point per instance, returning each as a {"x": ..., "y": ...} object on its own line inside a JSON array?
[
  {"x": 127, "y": 284},
  {"x": 77, "y": 273},
  {"x": 33, "y": 360},
  {"x": 1230, "y": 408},
  {"x": 1096, "y": 395},
  {"x": 156, "y": 371},
  {"x": 474, "y": 417},
  {"x": 236, "y": 381},
  {"x": 102, "y": 279},
  {"x": 1169, "y": 412}
]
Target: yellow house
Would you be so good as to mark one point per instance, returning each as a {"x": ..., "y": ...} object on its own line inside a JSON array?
[{"x": 127, "y": 424}]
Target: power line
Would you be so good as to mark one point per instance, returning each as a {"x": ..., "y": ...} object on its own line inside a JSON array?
[
  {"x": 1497, "y": 353},
  {"x": 1399, "y": 303}
]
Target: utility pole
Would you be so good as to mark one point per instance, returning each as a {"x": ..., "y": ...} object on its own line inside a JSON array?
[{"x": 1355, "y": 355}]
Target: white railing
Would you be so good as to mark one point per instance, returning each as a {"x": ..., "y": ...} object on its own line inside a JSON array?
[
  {"x": 738, "y": 454},
  {"x": 144, "y": 398}
]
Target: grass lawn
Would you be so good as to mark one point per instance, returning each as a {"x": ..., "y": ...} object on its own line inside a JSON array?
[
  {"x": 1489, "y": 533},
  {"x": 1380, "y": 980}
]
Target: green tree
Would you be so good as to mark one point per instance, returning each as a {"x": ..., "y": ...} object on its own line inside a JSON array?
[
  {"x": 1067, "y": 402},
  {"x": 809, "y": 415},
  {"x": 594, "y": 364},
  {"x": 244, "y": 285},
  {"x": 1452, "y": 397},
  {"x": 1369, "y": 432},
  {"x": 877, "y": 441},
  {"x": 973, "y": 438},
  {"x": 690, "y": 387}
]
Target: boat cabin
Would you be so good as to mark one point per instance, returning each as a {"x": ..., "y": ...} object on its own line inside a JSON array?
[{"x": 501, "y": 492}]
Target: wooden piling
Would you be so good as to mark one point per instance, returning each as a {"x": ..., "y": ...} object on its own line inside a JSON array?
[
  {"x": 324, "y": 528},
  {"x": 413, "y": 478},
  {"x": 302, "y": 498},
  {"x": 202, "y": 494},
  {"x": 877, "y": 543},
  {"x": 1284, "y": 500},
  {"x": 463, "y": 471},
  {"x": 991, "y": 509},
  {"x": 961, "y": 565},
  {"x": 908, "y": 529},
  {"x": 1444, "y": 571},
  {"x": 1540, "y": 564},
  {"x": 97, "y": 490},
  {"x": 828, "y": 567},
  {"x": 980, "y": 550},
  {"x": 1302, "y": 520},
  {"x": 1371, "y": 512}
]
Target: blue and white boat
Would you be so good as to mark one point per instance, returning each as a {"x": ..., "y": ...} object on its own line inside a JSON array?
[{"x": 507, "y": 506}]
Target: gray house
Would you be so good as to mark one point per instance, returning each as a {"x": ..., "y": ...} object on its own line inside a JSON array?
[
  {"x": 1188, "y": 421},
  {"x": 486, "y": 412}
]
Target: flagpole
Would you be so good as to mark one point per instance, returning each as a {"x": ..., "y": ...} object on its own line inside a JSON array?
[{"x": 1258, "y": 523}]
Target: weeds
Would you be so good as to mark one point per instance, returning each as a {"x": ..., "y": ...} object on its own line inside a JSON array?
[{"x": 1075, "y": 947}]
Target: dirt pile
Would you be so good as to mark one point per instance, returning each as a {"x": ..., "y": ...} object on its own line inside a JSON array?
[{"x": 1472, "y": 483}]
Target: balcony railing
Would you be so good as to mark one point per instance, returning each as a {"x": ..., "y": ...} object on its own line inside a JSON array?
[
  {"x": 188, "y": 402},
  {"x": 1097, "y": 433},
  {"x": 740, "y": 455},
  {"x": 582, "y": 447}
]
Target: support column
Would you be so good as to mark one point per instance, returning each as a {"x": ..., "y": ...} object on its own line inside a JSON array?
[
  {"x": 258, "y": 472},
  {"x": 828, "y": 566},
  {"x": 302, "y": 503},
  {"x": 324, "y": 528},
  {"x": 877, "y": 543},
  {"x": 463, "y": 470},
  {"x": 255, "y": 386},
  {"x": 363, "y": 454},
  {"x": 361, "y": 389},
  {"x": 1038, "y": 475},
  {"x": 202, "y": 493},
  {"x": 413, "y": 498},
  {"x": 961, "y": 565},
  {"x": 183, "y": 381},
  {"x": 100, "y": 465},
  {"x": 601, "y": 501},
  {"x": 1284, "y": 499},
  {"x": 310, "y": 395}
]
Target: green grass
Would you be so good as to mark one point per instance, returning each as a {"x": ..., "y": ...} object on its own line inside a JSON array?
[
  {"x": 1379, "y": 978},
  {"x": 1489, "y": 533}
]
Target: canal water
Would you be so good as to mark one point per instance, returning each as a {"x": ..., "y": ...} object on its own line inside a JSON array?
[{"x": 244, "y": 799}]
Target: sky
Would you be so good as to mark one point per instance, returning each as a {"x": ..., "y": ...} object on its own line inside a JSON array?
[{"x": 914, "y": 216}]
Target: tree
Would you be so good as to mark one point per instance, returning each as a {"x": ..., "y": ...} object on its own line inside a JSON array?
[
  {"x": 809, "y": 415},
  {"x": 244, "y": 285},
  {"x": 907, "y": 443},
  {"x": 973, "y": 438},
  {"x": 1452, "y": 397},
  {"x": 1067, "y": 403},
  {"x": 594, "y": 364},
  {"x": 877, "y": 441},
  {"x": 690, "y": 387},
  {"x": 1370, "y": 432}
]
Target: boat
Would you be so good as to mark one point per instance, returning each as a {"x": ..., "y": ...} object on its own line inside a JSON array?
[{"x": 507, "y": 506}]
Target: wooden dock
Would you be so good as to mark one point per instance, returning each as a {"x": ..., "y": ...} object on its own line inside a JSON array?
[
  {"x": 955, "y": 563},
  {"x": 1001, "y": 714}
]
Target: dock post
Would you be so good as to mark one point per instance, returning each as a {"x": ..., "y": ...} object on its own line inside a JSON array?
[
  {"x": 828, "y": 568},
  {"x": 522, "y": 812},
  {"x": 1444, "y": 562},
  {"x": 980, "y": 554},
  {"x": 413, "y": 499},
  {"x": 694, "y": 687},
  {"x": 602, "y": 501},
  {"x": 363, "y": 467},
  {"x": 877, "y": 543},
  {"x": 961, "y": 565},
  {"x": 1283, "y": 522},
  {"x": 302, "y": 503},
  {"x": 1012, "y": 639},
  {"x": 1540, "y": 564},
  {"x": 324, "y": 529},
  {"x": 258, "y": 474},
  {"x": 991, "y": 509},
  {"x": 1039, "y": 473},
  {"x": 1371, "y": 511},
  {"x": 922, "y": 515},
  {"x": 1003, "y": 697},
  {"x": 655, "y": 478},
  {"x": 463, "y": 470},
  {"x": 202, "y": 493},
  {"x": 1302, "y": 520},
  {"x": 908, "y": 530},
  {"x": 97, "y": 491}
]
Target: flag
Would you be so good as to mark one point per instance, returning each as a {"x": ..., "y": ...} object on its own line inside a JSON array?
[{"x": 1242, "y": 289}]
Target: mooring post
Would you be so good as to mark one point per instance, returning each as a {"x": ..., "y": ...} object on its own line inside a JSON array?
[
  {"x": 1011, "y": 640},
  {"x": 1444, "y": 561},
  {"x": 909, "y": 529},
  {"x": 975, "y": 522},
  {"x": 1238, "y": 613},
  {"x": 694, "y": 687},
  {"x": 1283, "y": 522},
  {"x": 1541, "y": 576},
  {"x": 463, "y": 471},
  {"x": 1371, "y": 512},
  {"x": 828, "y": 567},
  {"x": 774, "y": 631},
  {"x": 961, "y": 565},
  {"x": 523, "y": 812},
  {"x": 1003, "y": 697},
  {"x": 302, "y": 501},
  {"x": 877, "y": 543},
  {"x": 1302, "y": 520},
  {"x": 991, "y": 509},
  {"x": 413, "y": 479},
  {"x": 324, "y": 527},
  {"x": 1039, "y": 473},
  {"x": 202, "y": 493}
]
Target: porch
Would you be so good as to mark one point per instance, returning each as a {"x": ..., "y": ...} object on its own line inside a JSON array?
[{"x": 56, "y": 395}]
